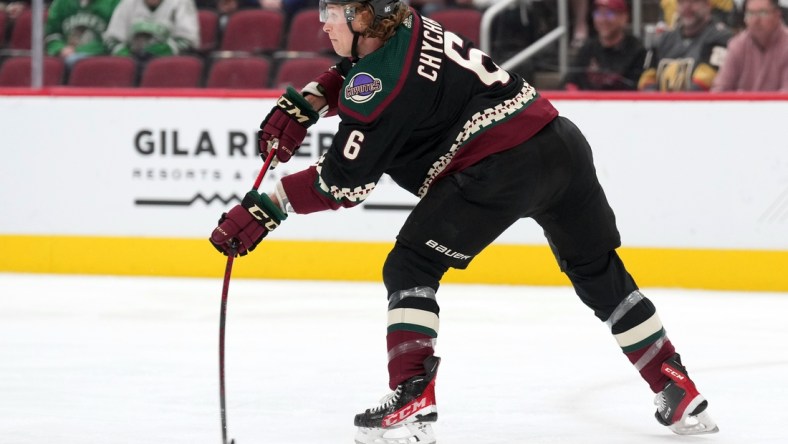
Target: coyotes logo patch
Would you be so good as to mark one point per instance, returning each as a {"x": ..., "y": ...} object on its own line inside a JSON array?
[{"x": 362, "y": 87}]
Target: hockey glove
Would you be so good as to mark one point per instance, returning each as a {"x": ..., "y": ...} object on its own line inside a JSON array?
[
  {"x": 286, "y": 123},
  {"x": 245, "y": 225}
]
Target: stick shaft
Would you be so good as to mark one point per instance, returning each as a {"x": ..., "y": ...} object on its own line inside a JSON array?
[
  {"x": 267, "y": 164},
  {"x": 222, "y": 317},
  {"x": 228, "y": 271}
]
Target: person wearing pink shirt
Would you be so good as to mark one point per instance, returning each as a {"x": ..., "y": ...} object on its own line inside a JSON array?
[{"x": 757, "y": 58}]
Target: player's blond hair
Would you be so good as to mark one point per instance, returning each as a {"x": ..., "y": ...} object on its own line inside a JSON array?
[{"x": 384, "y": 28}]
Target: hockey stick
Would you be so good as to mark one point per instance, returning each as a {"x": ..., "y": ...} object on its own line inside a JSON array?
[
  {"x": 228, "y": 270},
  {"x": 222, "y": 315}
]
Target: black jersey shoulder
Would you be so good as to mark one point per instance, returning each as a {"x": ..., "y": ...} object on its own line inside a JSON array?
[{"x": 377, "y": 78}]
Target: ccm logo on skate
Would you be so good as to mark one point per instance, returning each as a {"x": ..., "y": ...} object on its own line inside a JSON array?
[
  {"x": 674, "y": 374},
  {"x": 446, "y": 250},
  {"x": 404, "y": 412}
]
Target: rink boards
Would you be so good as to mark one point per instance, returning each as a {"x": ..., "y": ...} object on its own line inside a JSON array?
[{"x": 132, "y": 184}]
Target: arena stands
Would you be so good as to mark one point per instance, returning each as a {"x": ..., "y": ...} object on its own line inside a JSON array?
[{"x": 242, "y": 48}]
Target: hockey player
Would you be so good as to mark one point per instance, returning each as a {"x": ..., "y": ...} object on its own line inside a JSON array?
[{"x": 482, "y": 149}]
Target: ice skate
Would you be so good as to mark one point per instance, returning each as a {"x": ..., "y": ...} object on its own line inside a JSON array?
[
  {"x": 679, "y": 405},
  {"x": 405, "y": 415}
]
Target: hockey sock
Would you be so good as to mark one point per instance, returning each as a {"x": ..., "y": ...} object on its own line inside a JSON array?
[
  {"x": 412, "y": 330},
  {"x": 605, "y": 286},
  {"x": 641, "y": 336}
]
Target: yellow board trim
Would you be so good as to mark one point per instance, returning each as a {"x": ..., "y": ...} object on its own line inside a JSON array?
[{"x": 758, "y": 270}]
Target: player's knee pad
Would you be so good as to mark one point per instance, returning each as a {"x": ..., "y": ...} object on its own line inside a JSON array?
[{"x": 404, "y": 268}]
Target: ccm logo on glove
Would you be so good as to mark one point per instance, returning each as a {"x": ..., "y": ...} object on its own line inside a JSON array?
[
  {"x": 285, "y": 125},
  {"x": 293, "y": 110},
  {"x": 245, "y": 225},
  {"x": 267, "y": 221}
]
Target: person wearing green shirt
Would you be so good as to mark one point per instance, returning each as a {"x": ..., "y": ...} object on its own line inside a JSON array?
[{"x": 75, "y": 28}]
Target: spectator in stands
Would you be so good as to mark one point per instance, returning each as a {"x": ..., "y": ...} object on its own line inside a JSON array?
[
  {"x": 75, "y": 28},
  {"x": 611, "y": 60},
  {"x": 152, "y": 28},
  {"x": 757, "y": 58},
  {"x": 723, "y": 11},
  {"x": 687, "y": 58}
]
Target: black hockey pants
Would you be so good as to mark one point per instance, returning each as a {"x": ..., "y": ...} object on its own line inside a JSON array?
[{"x": 550, "y": 178}]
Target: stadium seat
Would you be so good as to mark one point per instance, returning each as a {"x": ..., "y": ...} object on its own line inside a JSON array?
[
  {"x": 172, "y": 72},
  {"x": 3, "y": 24},
  {"x": 21, "y": 30},
  {"x": 209, "y": 30},
  {"x": 239, "y": 73},
  {"x": 461, "y": 21},
  {"x": 306, "y": 33},
  {"x": 16, "y": 72},
  {"x": 297, "y": 72},
  {"x": 253, "y": 31},
  {"x": 103, "y": 72},
  {"x": 19, "y": 42}
]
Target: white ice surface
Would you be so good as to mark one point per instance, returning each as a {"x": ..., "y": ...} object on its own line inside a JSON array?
[{"x": 131, "y": 360}]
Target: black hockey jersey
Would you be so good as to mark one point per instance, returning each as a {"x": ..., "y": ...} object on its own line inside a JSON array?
[{"x": 423, "y": 105}]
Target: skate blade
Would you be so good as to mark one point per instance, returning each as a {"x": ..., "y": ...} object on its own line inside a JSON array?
[
  {"x": 413, "y": 433},
  {"x": 695, "y": 425}
]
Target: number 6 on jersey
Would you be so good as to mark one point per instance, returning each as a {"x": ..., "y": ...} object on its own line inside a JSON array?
[{"x": 353, "y": 145}]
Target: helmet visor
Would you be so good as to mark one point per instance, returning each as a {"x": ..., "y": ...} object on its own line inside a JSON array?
[{"x": 334, "y": 12}]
